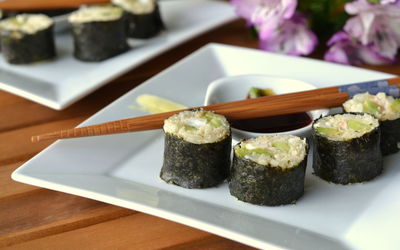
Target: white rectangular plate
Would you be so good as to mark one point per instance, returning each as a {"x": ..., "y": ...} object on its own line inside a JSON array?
[
  {"x": 123, "y": 169},
  {"x": 60, "y": 82}
]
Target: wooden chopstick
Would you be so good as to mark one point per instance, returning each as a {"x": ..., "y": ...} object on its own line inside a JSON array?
[
  {"x": 35, "y": 5},
  {"x": 245, "y": 109},
  {"x": 266, "y": 106}
]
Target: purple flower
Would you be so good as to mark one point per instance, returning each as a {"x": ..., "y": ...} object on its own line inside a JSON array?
[
  {"x": 390, "y": 2},
  {"x": 266, "y": 15},
  {"x": 347, "y": 50},
  {"x": 375, "y": 24},
  {"x": 292, "y": 37}
]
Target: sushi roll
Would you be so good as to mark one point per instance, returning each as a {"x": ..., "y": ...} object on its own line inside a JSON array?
[
  {"x": 346, "y": 148},
  {"x": 27, "y": 38},
  {"x": 143, "y": 17},
  {"x": 99, "y": 32},
  {"x": 197, "y": 149},
  {"x": 387, "y": 110},
  {"x": 269, "y": 170}
]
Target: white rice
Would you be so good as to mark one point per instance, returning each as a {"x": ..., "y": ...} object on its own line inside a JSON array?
[
  {"x": 278, "y": 158},
  {"x": 193, "y": 126},
  {"x": 340, "y": 123},
  {"x": 96, "y": 13},
  {"x": 27, "y": 23},
  {"x": 137, "y": 7},
  {"x": 381, "y": 99}
]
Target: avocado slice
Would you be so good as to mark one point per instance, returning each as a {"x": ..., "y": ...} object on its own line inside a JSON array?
[
  {"x": 284, "y": 146},
  {"x": 241, "y": 152},
  {"x": 395, "y": 105},
  {"x": 371, "y": 107},
  {"x": 189, "y": 127},
  {"x": 327, "y": 131},
  {"x": 357, "y": 125},
  {"x": 212, "y": 119}
]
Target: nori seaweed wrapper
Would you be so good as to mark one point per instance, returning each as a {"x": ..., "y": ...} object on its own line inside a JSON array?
[
  {"x": 192, "y": 165},
  {"x": 97, "y": 41},
  {"x": 390, "y": 136},
  {"x": 22, "y": 48},
  {"x": 266, "y": 185},
  {"x": 144, "y": 25},
  {"x": 352, "y": 161}
]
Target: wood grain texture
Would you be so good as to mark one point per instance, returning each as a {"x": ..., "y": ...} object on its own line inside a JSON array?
[
  {"x": 10, "y": 189},
  {"x": 43, "y": 213},
  {"x": 138, "y": 231},
  {"x": 36, "y": 218}
]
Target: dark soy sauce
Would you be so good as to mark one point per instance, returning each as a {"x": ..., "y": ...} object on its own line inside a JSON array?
[{"x": 274, "y": 124}]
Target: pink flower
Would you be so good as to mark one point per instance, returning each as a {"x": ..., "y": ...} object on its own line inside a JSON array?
[
  {"x": 390, "y": 2},
  {"x": 293, "y": 37},
  {"x": 347, "y": 50},
  {"x": 266, "y": 15},
  {"x": 375, "y": 24}
]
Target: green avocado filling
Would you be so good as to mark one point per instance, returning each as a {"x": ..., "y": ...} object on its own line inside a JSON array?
[
  {"x": 284, "y": 146},
  {"x": 395, "y": 105},
  {"x": 371, "y": 107},
  {"x": 242, "y": 152},
  {"x": 189, "y": 127},
  {"x": 327, "y": 131},
  {"x": 351, "y": 124},
  {"x": 214, "y": 122},
  {"x": 212, "y": 119},
  {"x": 357, "y": 125}
]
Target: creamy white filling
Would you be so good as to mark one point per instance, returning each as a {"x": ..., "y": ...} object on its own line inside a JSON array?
[
  {"x": 197, "y": 127},
  {"x": 283, "y": 157},
  {"x": 136, "y": 6},
  {"x": 27, "y": 23},
  {"x": 340, "y": 123},
  {"x": 381, "y": 99},
  {"x": 96, "y": 13}
]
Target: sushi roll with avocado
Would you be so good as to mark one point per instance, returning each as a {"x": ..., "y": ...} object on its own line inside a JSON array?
[
  {"x": 143, "y": 17},
  {"x": 346, "y": 148},
  {"x": 387, "y": 110},
  {"x": 197, "y": 149},
  {"x": 99, "y": 32},
  {"x": 27, "y": 38},
  {"x": 269, "y": 170}
]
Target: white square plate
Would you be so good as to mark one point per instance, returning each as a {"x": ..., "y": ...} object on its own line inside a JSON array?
[
  {"x": 123, "y": 169},
  {"x": 60, "y": 82}
]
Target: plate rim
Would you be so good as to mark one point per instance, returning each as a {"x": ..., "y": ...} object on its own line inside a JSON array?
[
  {"x": 16, "y": 175},
  {"x": 60, "y": 102}
]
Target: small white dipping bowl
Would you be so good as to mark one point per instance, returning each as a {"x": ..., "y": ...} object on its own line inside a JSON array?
[{"x": 234, "y": 88}]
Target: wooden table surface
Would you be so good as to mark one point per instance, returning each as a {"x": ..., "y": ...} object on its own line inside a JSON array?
[{"x": 37, "y": 218}]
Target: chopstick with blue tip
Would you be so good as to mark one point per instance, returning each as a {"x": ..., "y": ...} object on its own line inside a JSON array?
[{"x": 245, "y": 109}]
